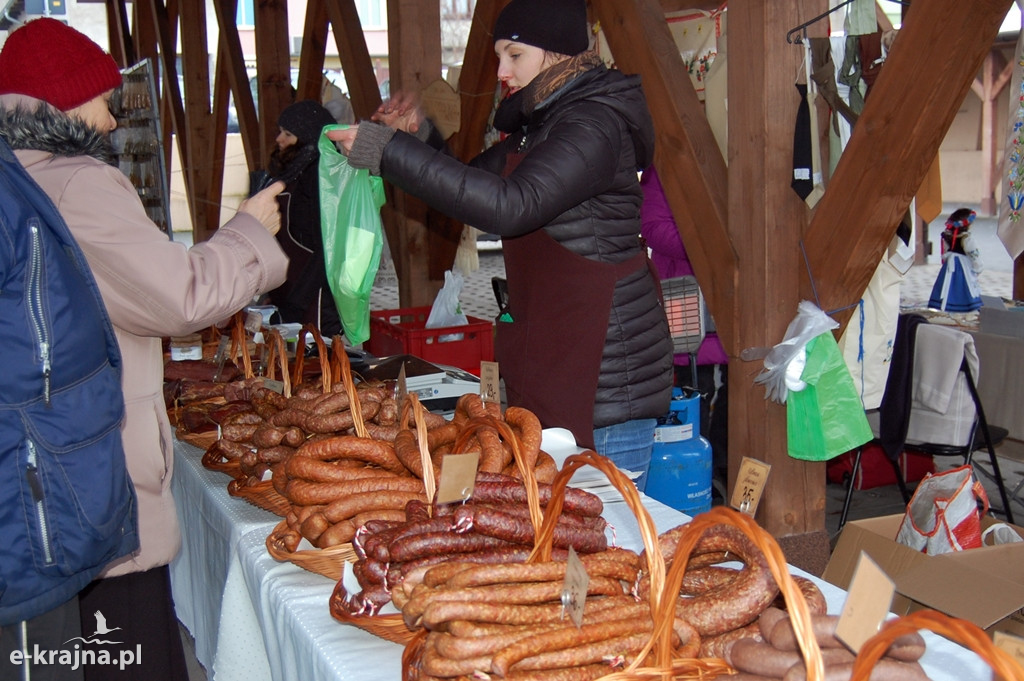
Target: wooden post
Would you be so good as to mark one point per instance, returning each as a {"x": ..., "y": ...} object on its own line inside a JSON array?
[
  {"x": 273, "y": 69},
  {"x": 414, "y": 48}
]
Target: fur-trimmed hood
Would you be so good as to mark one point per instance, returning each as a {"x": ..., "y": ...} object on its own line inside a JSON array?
[{"x": 29, "y": 123}]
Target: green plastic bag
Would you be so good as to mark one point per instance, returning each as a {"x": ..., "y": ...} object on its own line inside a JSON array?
[
  {"x": 350, "y": 202},
  {"x": 826, "y": 418}
]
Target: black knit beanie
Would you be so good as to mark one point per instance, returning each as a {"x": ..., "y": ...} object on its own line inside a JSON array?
[
  {"x": 553, "y": 25},
  {"x": 305, "y": 120}
]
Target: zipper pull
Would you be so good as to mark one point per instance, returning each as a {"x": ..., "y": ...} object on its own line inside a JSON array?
[
  {"x": 44, "y": 349},
  {"x": 32, "y": 474}
]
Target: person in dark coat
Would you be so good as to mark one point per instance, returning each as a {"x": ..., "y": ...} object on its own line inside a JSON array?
[
  {"x": 305, "y": 297},
  {"x": 583, "y": 341}
]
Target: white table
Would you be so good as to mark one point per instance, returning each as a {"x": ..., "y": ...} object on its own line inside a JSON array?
[{"x": 256, "y": 619}]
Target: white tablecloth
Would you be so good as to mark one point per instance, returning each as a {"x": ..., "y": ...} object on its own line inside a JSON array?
[{"x": 256, "y": 619}]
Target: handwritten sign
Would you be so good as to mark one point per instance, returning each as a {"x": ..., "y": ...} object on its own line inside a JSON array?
[{"x": 750, "y": 482}]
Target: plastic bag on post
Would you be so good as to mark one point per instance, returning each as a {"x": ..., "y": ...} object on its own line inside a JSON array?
[
  {"x": 826, "y": 418},
  {"x": 350, "y": 202}
]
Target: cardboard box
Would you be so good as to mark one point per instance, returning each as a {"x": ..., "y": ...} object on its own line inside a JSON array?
[{"x": 984, "y": 586}]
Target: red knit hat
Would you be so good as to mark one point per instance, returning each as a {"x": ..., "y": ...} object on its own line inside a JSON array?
[{"x": 49, "y": 60}]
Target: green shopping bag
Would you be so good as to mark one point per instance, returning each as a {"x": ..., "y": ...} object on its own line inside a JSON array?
[
  {"x": 826, "y": 418},
  {"x": 350, "y": 202}
]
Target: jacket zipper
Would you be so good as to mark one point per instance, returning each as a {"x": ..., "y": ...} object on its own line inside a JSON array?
[
  {"x": 35, "y": 484},
  {"x": 35, "y": 309}
]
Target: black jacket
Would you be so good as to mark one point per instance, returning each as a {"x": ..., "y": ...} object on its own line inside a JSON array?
[{"x": 577, "y": 179}]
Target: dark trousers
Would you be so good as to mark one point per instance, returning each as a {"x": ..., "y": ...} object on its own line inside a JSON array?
[
  {"x": 56, "y": 630},
  {"x": 141, "y": 605}
]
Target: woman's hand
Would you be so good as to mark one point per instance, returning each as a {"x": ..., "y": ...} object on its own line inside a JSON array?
[
  {"x": 344, "y": 137},
  {"x": 263, "y": 206},
  {"x": 401, "y": 112}
]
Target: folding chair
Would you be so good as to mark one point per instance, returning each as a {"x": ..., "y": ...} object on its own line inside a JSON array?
[{"x": 931, "y": 405}]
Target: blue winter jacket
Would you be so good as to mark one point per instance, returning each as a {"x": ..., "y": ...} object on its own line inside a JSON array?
[{"x": 68, "y": 507}]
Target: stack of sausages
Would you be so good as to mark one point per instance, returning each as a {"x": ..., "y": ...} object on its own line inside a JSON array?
[
  {"x": 493, "y": 527},
  {"x": 776, "y": 655},
  {"x": 506, "y": 620},
  {"x": 335, "y": 481}
]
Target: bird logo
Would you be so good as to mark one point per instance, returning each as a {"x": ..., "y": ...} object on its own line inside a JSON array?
[{"x": 101, "y": 630}]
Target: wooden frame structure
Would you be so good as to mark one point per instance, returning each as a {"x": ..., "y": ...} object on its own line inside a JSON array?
[{"x": 756, "y": 247}]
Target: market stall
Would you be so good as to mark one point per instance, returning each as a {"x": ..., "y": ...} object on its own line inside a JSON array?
[{"x": 255, "y": 618}]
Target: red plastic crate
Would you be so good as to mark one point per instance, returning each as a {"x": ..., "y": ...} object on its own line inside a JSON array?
[{"x": 397, "y": 332}]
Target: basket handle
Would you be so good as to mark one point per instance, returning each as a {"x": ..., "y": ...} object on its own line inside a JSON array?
[
  {"x": 353, "y": 396},
  {"x": 413, "y": 406},
  {"x": 278, "y": 351},
  {"x": 240, "y": 343},
  {"x": 959, "y": 631}
]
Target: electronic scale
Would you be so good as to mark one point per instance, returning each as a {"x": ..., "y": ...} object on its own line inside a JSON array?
[{"x": 438, "y": 387}]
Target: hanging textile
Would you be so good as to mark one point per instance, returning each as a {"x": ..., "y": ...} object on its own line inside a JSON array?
[
  {"x": 860, "y": 17},
  {"x": 1011, "y": 227}
]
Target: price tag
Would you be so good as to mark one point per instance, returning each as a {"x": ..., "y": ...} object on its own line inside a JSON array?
[
  {"x": 442, "y": 105},
  {"x": 750, "y": 482},
  {"x": 276, "y": 386},
  {"x": 253, "y": 321},
  {"x": 574, "y": 588},
  {"x": 458, "y": 477},
  {"x": 402, "y": 389},
  {"x": 490, "y": 390},
  {"x": 867, "y": 603},
  {"x": 1008, "y": 643}
]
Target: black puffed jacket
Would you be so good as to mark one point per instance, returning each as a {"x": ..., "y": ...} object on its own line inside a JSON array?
[{"x": 577, "y": 179}]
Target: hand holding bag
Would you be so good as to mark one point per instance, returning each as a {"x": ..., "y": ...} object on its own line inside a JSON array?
[{"x": 943, "y": 514}]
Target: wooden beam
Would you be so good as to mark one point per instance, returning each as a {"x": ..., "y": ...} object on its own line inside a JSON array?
[
  {"x": 911, "y": 106},
  {"x": 119, "y": 35},
  {"x": 414, "y": 51},
  {"x": 273, "y": 69},
  {"x": 231, "y": 65},
  {"x": 355, "y": 57},
  {"x": 163, "y": 24},
  {"x": 690, "y": 165},
  {"x": 197, "y": 161},
  {"x": 478, "y": 81},
  {"x": 477, "y": 87},
  {"x": 990, "y": 135},
  {"x": 311, "y": 56},
  {"x": 766, "y": 219}
]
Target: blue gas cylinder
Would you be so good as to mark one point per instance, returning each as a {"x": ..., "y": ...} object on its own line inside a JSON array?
[{"x": 680, "y": 473}]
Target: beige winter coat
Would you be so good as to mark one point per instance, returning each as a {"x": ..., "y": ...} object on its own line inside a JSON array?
[{"x": 152, "y": 287}]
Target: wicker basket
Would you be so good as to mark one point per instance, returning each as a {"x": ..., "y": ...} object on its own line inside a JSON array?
[
  {"x": 328, "y": 562},
  {"x": 262, "y": 495},
  {"x": 960, "y": 631}
]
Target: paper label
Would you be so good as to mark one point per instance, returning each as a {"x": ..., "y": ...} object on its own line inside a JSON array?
[
  {"x": 574, "y": 588},
  {"x": 867, "y": 603},
  {"x": 490, "y": 390},
  {"x": 253, "y": 321},
  {"x": 750, "y": 482},
  {"x": 402, "y": 389},
  {"x": 276, "y": 386},
  {"x": 442, "y": 105},
  {"x": 458, "y": 477}
]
